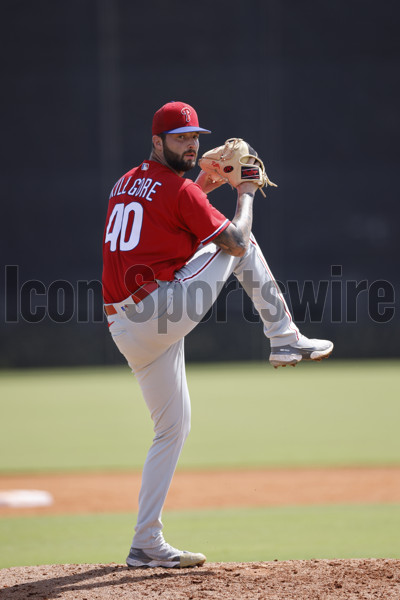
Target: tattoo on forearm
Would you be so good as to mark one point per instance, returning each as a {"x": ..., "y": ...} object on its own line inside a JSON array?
[{"x": 236, "y": 236}]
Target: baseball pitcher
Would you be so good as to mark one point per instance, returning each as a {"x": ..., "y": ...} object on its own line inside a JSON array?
[{"x": 167, "y": 254}]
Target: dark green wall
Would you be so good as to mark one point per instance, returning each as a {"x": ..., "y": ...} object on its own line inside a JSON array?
[{"x": 313, "y": 86}]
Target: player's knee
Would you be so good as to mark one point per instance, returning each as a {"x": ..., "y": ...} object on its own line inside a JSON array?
[
  {"x": 177, "y": 431},
  {"x": 183, "y": 427}
]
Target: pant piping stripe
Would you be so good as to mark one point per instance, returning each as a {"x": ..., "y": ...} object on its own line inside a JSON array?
[{"x": 202, "y": 268}]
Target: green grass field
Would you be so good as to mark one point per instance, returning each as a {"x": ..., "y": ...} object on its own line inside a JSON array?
[
  {"x": 333, "y": 413},
  {"x": 236, "y": 535},
  {"x": 243, "y": 415}
]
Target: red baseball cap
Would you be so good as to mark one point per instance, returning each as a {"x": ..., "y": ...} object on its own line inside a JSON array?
[{"x": 176, "y": 117}]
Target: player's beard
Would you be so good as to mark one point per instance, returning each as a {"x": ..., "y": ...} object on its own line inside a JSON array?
[{"x": 179, "y": 162}]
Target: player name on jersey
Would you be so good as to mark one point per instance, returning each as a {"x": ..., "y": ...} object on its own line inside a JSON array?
[{"x": 142, "y": 187}]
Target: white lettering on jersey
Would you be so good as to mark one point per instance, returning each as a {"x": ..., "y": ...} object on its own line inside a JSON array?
[
  {"x": 134, "y": 236},
  {"x": 139, "y": 190},
  {"x": 141, "y": 187},
  {"x": 145, "y": 187},
  {"x": 119, "y": 186},
  {"x": 114, "y": 226},
  {"x": 123, "y": 191},
  {"x": 153, "y": 190},
  {"x": 134, "y": 187},
  {"x": 117, "y": 228}
]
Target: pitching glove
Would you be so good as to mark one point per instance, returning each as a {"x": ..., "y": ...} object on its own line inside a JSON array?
[{"x": 236, "y": 162}]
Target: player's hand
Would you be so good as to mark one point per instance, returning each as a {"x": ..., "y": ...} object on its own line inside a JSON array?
[{"x": 208, "y": 183}]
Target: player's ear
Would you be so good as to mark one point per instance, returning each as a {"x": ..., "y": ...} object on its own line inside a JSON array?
[{"x": 157, "y": 142}]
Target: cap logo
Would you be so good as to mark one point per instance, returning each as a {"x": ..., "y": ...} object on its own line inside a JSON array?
[{"x": 186, "y": 113}]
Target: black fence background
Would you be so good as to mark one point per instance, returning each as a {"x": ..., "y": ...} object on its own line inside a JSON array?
[{"x": 313, "y": 86}]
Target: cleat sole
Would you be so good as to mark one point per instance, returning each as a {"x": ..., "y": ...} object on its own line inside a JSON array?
[{"x": 293, "y": 359}]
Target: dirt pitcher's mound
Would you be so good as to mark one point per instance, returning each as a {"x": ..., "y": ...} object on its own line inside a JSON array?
[{"x": 374, "y": 579}]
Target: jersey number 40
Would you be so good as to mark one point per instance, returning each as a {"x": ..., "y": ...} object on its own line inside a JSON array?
[{"x": 124, "y": 226}]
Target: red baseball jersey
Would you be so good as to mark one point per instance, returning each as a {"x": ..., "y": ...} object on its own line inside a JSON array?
[{"x": 155, "y": 222}]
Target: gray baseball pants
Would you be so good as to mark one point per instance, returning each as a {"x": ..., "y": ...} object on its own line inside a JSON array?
[{"x": 151, "y": 337}]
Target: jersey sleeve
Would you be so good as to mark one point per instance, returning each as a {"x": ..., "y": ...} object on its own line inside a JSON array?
[{"x": 199, "y": 216}]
